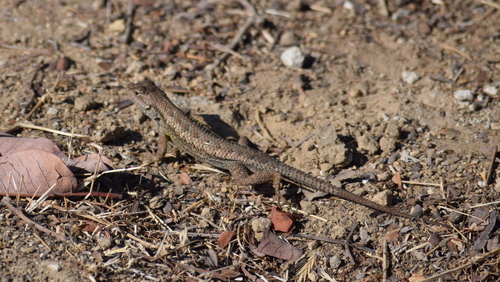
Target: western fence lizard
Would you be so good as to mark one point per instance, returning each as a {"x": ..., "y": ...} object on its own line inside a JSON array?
[{"x": 247, "y": 166}]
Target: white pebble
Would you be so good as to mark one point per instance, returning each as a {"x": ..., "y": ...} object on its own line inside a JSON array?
[
  {"x": 52, "y": 111},
  {"x": 463, "y": 95},
  {"x": 490, "y": 90},
  {"x": 410, "y": 77},
  {"x": 293, "y": 57}
]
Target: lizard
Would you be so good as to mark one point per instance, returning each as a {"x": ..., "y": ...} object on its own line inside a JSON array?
[{"x": 246, "y": 165}]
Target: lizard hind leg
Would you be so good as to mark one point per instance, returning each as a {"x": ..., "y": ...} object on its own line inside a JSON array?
[{"x": 242, "y": 176}]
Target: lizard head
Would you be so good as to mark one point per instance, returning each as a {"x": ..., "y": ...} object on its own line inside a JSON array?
[{"x": 143, "y": 87}]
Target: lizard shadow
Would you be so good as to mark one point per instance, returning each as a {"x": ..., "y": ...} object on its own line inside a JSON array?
[{"x": 220, "y": 127}]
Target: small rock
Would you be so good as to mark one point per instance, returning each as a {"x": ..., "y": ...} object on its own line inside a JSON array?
[
  {"x": 109, "y": 133},
  {"x": 463, "y": 95},
  {"x": 52, "y": 111},
  {"x": 104, "y": 242},
  {"x": 293, "y": 57},
  {"x": 424, "y": 28},
  {"x": 135, "y": 67},
  {"x": 178, "y": 191},
  {"x": 387, "y": 144},
  {"x": 118, "y": 25},
  {"x": 85, "y": 103},
  {"x": 383, "y": 198},
  {"x": 259, "y": 224},
  {"x": 354, "y": 93},
  {"x": 308, "y": 207},
  {"x": 171, "y": 72},
  {"x": 237, "y": 74},
  {"x": 185, "y": 178},
  {"x": 392, "y": 130},
  {"x": 497, "y": 187},
  {"x": 410, "y": 77},
  {"x": 335, "y": 262},
  {"x": 400, "y": 14},
  {"x": 63, "y": 64},
  {"x": 368, "y": 144},
  {"x": 332, "y": 152},
  {"x": 490, "y": 90},
  {"x": 495, "y": 125},
  {"x": 288, "y": 39},
  {"x": 54, "y": 266},
  {"x": 384, "y": 176},
  {"x": 348, "y": 5}
]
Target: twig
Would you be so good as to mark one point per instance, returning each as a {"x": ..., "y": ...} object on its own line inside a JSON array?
[
  {"x": 34, "y": 93},
  {"x": 260, "y": 122},
  {"x": 492, "y": 4},
  {"x": 354, "y": 226},
  {"x": 45, "y": 98},
  {"x": 421, "y": 183},
  {"x": 484, "y": 205},
  {"x": 463, "y": 54},
  {"x": 243, "y": 30},
  {"x": 12, "y": 48},
  {"x": 385, "y": 261},
  {"x": 17, "y": 126},
  {"x": 19, "y": 213},
  {"x": 489, "y": 178},
  {"x": 127, "y": 37}
]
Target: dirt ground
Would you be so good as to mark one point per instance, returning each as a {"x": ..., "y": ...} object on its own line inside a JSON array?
[{"x": 407, "y": 89}]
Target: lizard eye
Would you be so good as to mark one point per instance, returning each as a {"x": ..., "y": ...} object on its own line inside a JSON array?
[{"x": 148, "y": 107}]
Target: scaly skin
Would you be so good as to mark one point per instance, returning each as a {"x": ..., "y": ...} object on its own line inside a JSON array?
[{"x": 206, "y": 146}]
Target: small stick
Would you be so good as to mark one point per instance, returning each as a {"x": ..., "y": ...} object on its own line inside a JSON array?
[
  {"x": 45, "y": 98},
  {"x": 463, "y": 54},
  {"x": 250, "y": 20},
  {"x": 492, "y": 4},
  {"x": 12, "y": 48},
  {"x": 489, "y": 178},
  {"x": 260, "y": 122},
  {"x": 347, "y": 239},
  {"x": 26, "y": 125},
  {"x": 34, "y": 93},
  {"x": 385, "y": 262},
  {"x": 127, "y": 37},
  {"x": 26, "y": 219}
]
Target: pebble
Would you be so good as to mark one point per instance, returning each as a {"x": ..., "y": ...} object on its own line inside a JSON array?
[
  {"x": 410, "y": 77},
  {"x": 104, "y": 242},
  {"x": 54, "y": 266},
  {"x": 293, "y": 57},
  {"x": 335, "y": 262},
  {"x": 288, "y": 39},
  {"x": 52, "y": 111},
  {"x": 424, "y": 28},
  {"x": 118, "y": 25},
  {"x": 490, "y": 90},
  {"x": 368, "y": 144},
  {"x": 85, "y": 103},
  {"x": 259, "y": 224},
  {"x": 392, "y": 130},
  {"x": 387, "y": 144},
  {"x": 308, "y": 207},
  {"x": 463, "y": 95},
  {"x": 383, "y": 198}
]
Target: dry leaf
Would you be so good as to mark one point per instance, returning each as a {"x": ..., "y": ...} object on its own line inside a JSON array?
[{"x": 274, "y": 246}]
